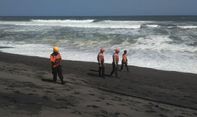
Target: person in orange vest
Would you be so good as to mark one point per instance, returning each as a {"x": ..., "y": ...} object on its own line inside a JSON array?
[
  {"x": 124, "y": 60},
  {"x": 115, "y": 58},
  {"x": 101, "y": 60},
  {"x": 56, "y": 59}
]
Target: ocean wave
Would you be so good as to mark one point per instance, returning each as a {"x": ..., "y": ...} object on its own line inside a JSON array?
[
  {"x": 188, "y": 27},
  {"x": 159, "y": 43},
  {"x": 62, "y": 21},
  {"x": 90, "y": 23},
  {"x": 152, "y": 25},
  {"x": 80, "y": 23}
]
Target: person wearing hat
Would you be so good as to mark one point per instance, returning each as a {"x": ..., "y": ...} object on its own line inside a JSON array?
[
  {"x": 100, "y": 59},
  {"x": 124, "y": 61},
  {"x": 55, "y": 60},
  {"x": 115, "y": 59}
]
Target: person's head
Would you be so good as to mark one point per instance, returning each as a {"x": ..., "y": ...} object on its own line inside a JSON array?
[
  {"x": 125, "y": 51},
  {"x": 102, "y": 50},
  {"x": 55, "y": 49},
  {"x": 117, "y": 50}
]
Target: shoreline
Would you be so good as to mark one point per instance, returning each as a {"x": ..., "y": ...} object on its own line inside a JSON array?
[
  {"x": 92, "y": 62},
  {"x": 154, "y": 86}
]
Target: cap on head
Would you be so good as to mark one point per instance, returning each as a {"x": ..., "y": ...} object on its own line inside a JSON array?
[
  {"x": 55, "y": 49},
  {"x": 102, "y": 50},
  {"x": 117, "y": 50}
]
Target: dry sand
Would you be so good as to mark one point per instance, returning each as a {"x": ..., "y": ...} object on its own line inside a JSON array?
[{"x": 141, "y": 92}]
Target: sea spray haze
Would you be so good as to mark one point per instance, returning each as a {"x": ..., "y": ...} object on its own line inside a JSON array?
[{"x": 166, "y": 43}]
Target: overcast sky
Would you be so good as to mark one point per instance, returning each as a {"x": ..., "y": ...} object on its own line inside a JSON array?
[{"x": 97, "y": 7}]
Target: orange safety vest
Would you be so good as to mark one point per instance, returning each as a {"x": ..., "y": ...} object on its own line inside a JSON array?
[
  {"x": 100, "y": 58},
  {"x": 55, "y": 60},
  {"x": 124, "y": 57},
  {"x": 115, "y": 58}
]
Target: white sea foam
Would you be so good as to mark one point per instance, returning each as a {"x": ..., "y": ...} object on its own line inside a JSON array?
[
  {"x": 187, "y": 27},
  {"x": 144, "y": 58},
  {"x": 79, "y": 23},
  {"x": 152, "y": 25},
  {"x": 161, "y": 43},
  {"x": 62, "y": 21},
  {"x": 89, "y": 23}
]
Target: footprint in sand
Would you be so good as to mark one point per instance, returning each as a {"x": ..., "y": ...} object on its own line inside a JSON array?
[
  {"x": 125, "y": 114},
  {"x": 108, "y": 104},
  {"x": 30, "y": 94},
  {"x": 179, "y": 116},
  {"x": 76, "y": 93},
  {"x": 117, "y": 113},
  {"x": 17, "y": 92},
  {"x": 102, "y": 98},
  {"x": 8, "y": 88},
  {"x": 48, "y": 91},
  {"x": 163, "y": 109},
  {"x": 45, "y": 98},
  {"x": 92, "y": 94},
  {"x": 97, "y": 100},
  {"x": 69, "y": 101},
  {"x": 92, "y": 106},
  {"x": 34, "y": 91},
  {"x": 68, "y": 89},
  {"x": 150, "y": 111},
  {"x": 116, "y": 99},
  {"x": 162, "y": 115},
  {"x": 104, "y": 112},
  {"x": 77, "y": 112}
]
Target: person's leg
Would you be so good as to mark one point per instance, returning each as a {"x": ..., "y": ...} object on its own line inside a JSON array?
[
  {"x": 122, "y": 66},
  {"x": 100, "y": 70},
  {"x": 103, "y": 71},
  {"x": 113, "y": 69},
  {"x": 54, "y": 72},
  {"x": 127, "y": 66},
  {"x": 59, "y": 69},
  {"x": 116, "y": 70}
]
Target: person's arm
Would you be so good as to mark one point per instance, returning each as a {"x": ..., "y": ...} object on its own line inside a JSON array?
[
  {"x": 52, "y": 59},
  {"x": 60, "y": 57}
]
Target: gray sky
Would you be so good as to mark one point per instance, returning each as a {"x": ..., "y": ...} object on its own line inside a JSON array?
[{"x": 96, "y": 7}]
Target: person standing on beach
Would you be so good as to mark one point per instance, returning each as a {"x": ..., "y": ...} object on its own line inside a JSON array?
[
  {"x": 100, "y": 59},
  {"x": 115, "y": 58},
  {"x": 124, "y": 61},
  {"x": 56, "y": 59}
]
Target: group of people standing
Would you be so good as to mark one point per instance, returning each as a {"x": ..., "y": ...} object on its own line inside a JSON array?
[
  {"x": 115, "y": 61},
  {"x": 55, "y": 59}
]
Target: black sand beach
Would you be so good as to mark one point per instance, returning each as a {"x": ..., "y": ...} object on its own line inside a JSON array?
[{"x": 26, "y": 90}]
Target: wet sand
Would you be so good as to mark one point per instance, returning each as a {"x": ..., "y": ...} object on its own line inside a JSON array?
[{"x": 26, "y": 90}]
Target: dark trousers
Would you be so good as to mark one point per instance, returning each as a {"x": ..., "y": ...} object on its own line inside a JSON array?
[
  {"x": 114, "y": 69},
  {"x": 57, "y": 71},
  {"x": 101, "y": 70},
  {"x": 124, "y": 63}
]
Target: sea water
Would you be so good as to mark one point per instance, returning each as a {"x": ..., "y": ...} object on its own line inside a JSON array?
[{"x": 165, "y": 43}]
